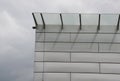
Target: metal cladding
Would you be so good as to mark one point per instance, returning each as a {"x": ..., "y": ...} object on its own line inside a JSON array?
[{"x": 77, "y": 47}]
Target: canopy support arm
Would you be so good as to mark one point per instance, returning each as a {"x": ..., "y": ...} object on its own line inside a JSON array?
[
  {"x": 34, "y": 27},
  {"x": 98, "y": 28},
  {"x": 80, "y": 21},
  {"x": 61, "y": 21},
  {"x": 43, "y": 21}
]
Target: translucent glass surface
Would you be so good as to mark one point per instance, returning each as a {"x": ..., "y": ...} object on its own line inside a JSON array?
[
  {"x": 52, "y": 56},
  {"x": 110, "y": 48},
  {"x": 70, "y": 19},
  {"x": 38, "y": 56},
  {"x": 85, "y": 47},
  {"x": 76, "y": 19},
  {"x": 104, "y": 37},
  {"x": 88, "y": 19},
  {"x": 108, "y": 19},
  {"x": 38, "y": 77},
  {"x": 107, "y": 29},
  {"x": 39, "y": 47},
  {"x": 85, "y": 37},
  {"x": 95, "y": 57},
  {"x": 57, "y": 77},
  {"x": 40, "y": 36},
  {"x": 38, "y": 67},
  {"x": 53, "y": 19},
  {"x": 110, "y": 68},
  {"x": 95, "y": 77},
  {"x": 72, "y": 37},
  {"x": 71, "y": 67}
]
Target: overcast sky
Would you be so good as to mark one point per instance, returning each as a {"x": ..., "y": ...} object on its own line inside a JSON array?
[{"x": 17, "y": 36}]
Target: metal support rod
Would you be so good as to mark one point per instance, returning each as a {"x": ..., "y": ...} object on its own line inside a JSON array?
[
  {"x": 80, "y": 21},
  {"x": 61, "y": 21},
  {"x": 43, "y": 21},
  {"x": 34, "y": 21},
  {"x": 98, "y": 28},
  {"x": 118, "y": 23}
]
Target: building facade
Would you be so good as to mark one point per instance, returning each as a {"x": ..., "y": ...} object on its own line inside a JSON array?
[{"x": 77, "y": 47}]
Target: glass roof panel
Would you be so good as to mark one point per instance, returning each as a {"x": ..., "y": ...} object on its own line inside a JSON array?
[
  {"x": 89, "y": 22},
  {"x": 70, "y": 19},
  {"x": 91, "y": 19},
  {"x": 53, "y": 19},
  {"x": 109, "y": 19}
]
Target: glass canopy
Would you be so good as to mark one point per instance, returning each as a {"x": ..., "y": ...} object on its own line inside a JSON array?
[
  {"x": 76, "y": 19},
  {"x": 106, "y": 23}
]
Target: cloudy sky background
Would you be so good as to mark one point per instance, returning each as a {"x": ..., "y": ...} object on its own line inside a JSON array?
[{"x": 17, "y": 36}]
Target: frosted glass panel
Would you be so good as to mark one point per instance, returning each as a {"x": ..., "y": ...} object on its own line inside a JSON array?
[
  {"x": 85, "y": 38},
  {"x": 40, "y": 36},
  {"x": 38, "y": 67},
  {"x": 38, "y": 56},
  {"x": 88, "y": 19},
  {"x": 38, "y": 77},
  {"x": 117, "y": 38},
  {"x": 57, "y": 37},
  {"x": 67, "y": 37},
  {"x": 57, "y": 46},
  {"x": 70, "y": 19},
  {"x": 70, "y": 28},
  {"x": 110, "y": 47},
  {"x": 53, "y": 19},
  {"x": 95, "y": 77},
  {"x": 51, "y": 36},
  {"x": 55, "y": 56},
  {"x": 71, "y": 67},
  {"x": 95, "y": 57},
  {"x": 109, "y": 19},
  {"x": 107, "y": 29},
  {"x": 56, "y": 77},
  {"x": 104, "y": 37},
  {"x": 110, "y": 57},
  {"x": 89, "y": 28},
  {"x": 110, "y": 68},
  {"x": 85, "y": 47},
  {"x": 53, "y": 28},
  {"x": 39, "y": 46},
  {"x": 67, "y": 47}
]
